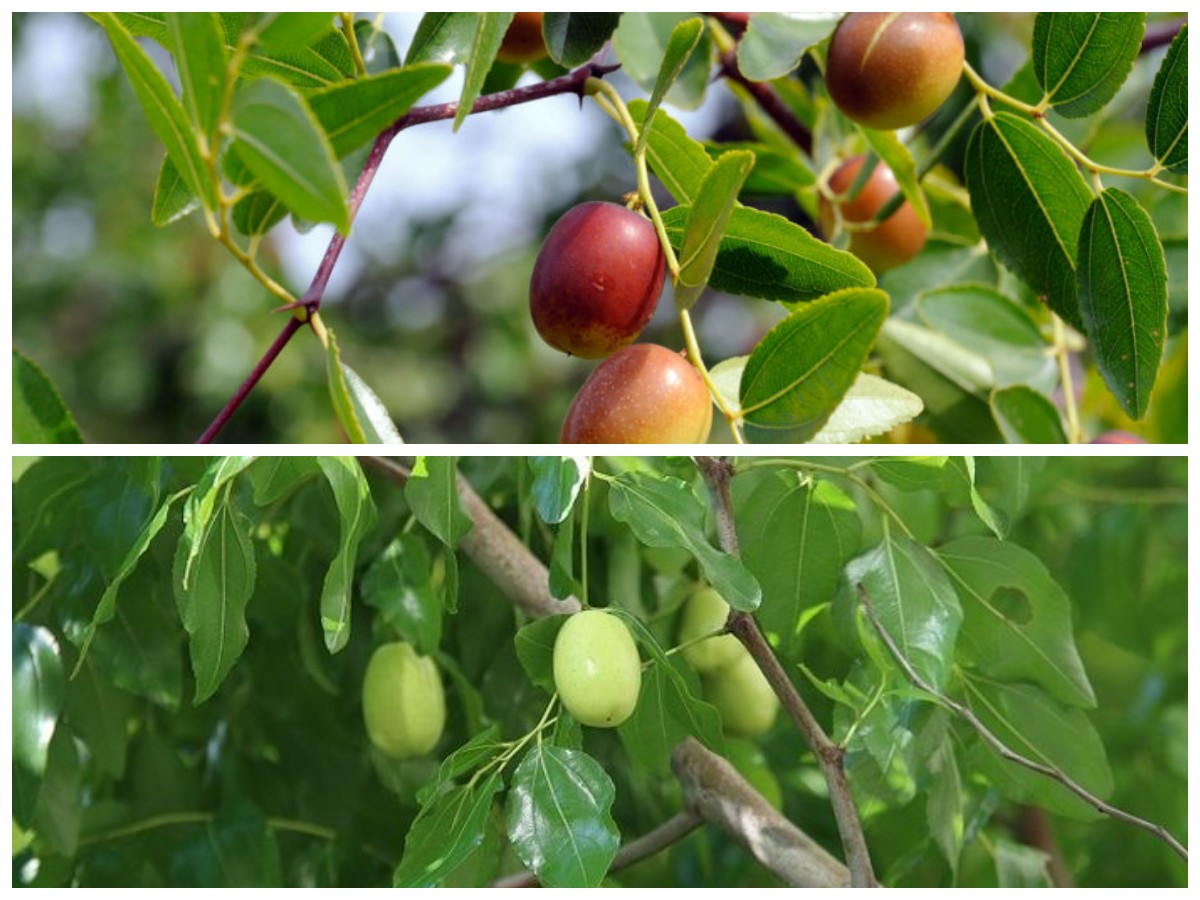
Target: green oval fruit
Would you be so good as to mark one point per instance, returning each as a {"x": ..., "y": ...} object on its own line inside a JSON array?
[
  {"x": 704, "y": 613},
  {"x": 404, "y": 704},
  {"x": 597, "y": 671},
  {"x": 743, "y": 696}
]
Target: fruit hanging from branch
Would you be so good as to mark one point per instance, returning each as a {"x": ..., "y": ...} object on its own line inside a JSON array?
[
  {"x": 404, "y": 704},
  {"x": 892, "y": 242},
  {"x": 597, "y": 670}
]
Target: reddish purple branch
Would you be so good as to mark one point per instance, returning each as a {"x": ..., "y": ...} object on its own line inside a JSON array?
[
  {"x": 571, "y": 83},
  {"x": 1161, "y": 35},
  {"x": 770, "y": 102}
]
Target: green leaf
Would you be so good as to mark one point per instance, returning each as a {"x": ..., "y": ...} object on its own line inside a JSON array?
[
  {"x": 173, "y": 199},
  {"x": 913, "y": 473},
  {"x": 432, "y": 494},
  {"x": 896, "y": 155},
  {"x": 557, "y": 481},
  {"x": 1029, "y": 200},
  {"x": 575, "y": 37},
  {"x": 684, "y": 38},
  {"x": 668, "y": 710},
  {"x": 1021, "y": 866},
  {"x": 665, "y": 512},
  {"x": 59, "y": 812},
  {"x": 872, "y": 406},
  {"x": 399, "y": 584},
  {"x": 1016, "y": 619},
  {"x": 98, "y": 712},
  {"x": 163, "y": 111},
  {"x": 361, "y": 413},
  {"x": 765, "y": 255},
  {"x": 961, "y": 489},
  {"x": 356, "y": 518},
  {"x": 706, "y": 222},
  {"x": 115, "y": 507},
  {"x": 775, "y": 173},
  {"x": 446, "y": 832},
  {"x": 563, "y": 582},
  {"x": 774, "y": 43},
  {"x": 203, "y": 500},
  {"x": 38, "y": 689},
  {"x": 1167, "y": 109},
  {"x": 799, "y": 372},
  {"x": 443, "y": 37},
  {"x": 1030, "y": 722},
  {"x": 945, "y": 801},
  {"x": 200, "y": 61},
  {"x": 277, "y": 137},
  {"x": 479, "y": 749},
  {"x": 535, "y": 650},
  {"x": 1081, "y": 59},
  {"x": 322, "y": 63},
  {"x": 38, "y": 413},
  {"x": 1026, "y": 416},
  {"x": 643, "y": 43},
  {"x": 559, "y": 818},
  {"x": 257, "y": 213},
  {"x": 292, "y": 30},
  {"x": 796, "y": 537},
  {"x": 679, "y": 161},
  {"x": 354, "y": 113},
  {"x": 914, "y": 601},
  {"x": 1123, "y": 296},
  {"x": 962, "y": 366},
  {"x": 489, "y": 34}
]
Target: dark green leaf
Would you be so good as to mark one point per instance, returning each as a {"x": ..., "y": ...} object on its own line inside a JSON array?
[
  {"x": 914, "y": 473},
  {"x": 37, "y": 695},
  {"x": 399, "y": 584},
  {"x": 1016, "y": 619},
  {"x": 1030, "y": 201},
  {"x": 479, "y": 749},
  {"x": 679, "y": 161},
  {"x": 668, "y": 710},
  {"x": 535, "y": 650},
  {"x": 274, "y": 477},
  {"x": 38, "y": 413},
  {"x": 292, "y": 30},
  {"x": 356, "y": 516},
  {"x": 432, "y": 494},
  {"x": 643, "y": 43},
  {"x": 277, "y": 136},
  {"x": 1081, "y": 59},
  {"x": 98, "y": 712},
  {"x": 446, "y": 832},
  {"x": 322, "y": 63},
  {"x": 257, "y": 213},
  {"x": 775, "y": 173},
  {"x": 200, "y": 61},
  {"x": 706, "y": 223},
  {"x": 665, "y": 512},
  {"x": 1167, "y": 109},
  {"x": 557, "y": 481},
  {"x": 563, "y": 582},
  {"x": 774, "y": 43},
  {"x": 558, "y": 817},
  {"x": 116, "y": 506},
  {"x": 59, "y": 804},
  {"x": 489, "y": 35},
  {"x": 575, "y": 37},
  {"x": 685, "y": 35},
  {"x": 1025, "y": 416},
  {"x": 799, "y": 372},
  {"x": 173, "y": 199},
  {"x": 765, "y": 255},
  {"x": 443, "y": 37},
  {"x": 1123, "y": 296}
]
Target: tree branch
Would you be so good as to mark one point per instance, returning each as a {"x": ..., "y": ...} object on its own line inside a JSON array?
[
  {"x": 1161, "y": 35},
  {"x": 829, "y": 756},
  {"x": 1003, "y": 749},
  {"x": 770, "y": 102}
]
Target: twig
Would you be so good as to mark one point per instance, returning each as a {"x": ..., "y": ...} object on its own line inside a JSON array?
[
  {"x": 829, "y": 755},
  {"x": 1003, "y": 749},
  {"x": 1161, "y": 35}
]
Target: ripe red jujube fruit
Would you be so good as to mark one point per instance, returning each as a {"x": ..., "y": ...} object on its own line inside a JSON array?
[
  {"x": 896, "y": 239},
  {"x": 523, "y": 42}
]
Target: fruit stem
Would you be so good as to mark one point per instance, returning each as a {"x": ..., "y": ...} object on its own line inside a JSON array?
[
  {"x": 732, "y": 416},
  {"x": 1074, "y": 431},
  {"x": 360, "y": 65}
]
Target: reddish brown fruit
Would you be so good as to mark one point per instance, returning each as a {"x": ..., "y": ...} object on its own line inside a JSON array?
[
  {"x": 891, "y": 70},
  {"x": 897, "y": 239},
  {"x": 644, "y": 394},
  {"x": 597, "y": 280},
  {"x": 1117, "y": 437},
  {"x": 523, "y": 42}
]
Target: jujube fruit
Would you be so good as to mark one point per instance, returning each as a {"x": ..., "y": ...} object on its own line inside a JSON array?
[
  {"x": 1117, "y": 437},
  {"x": 597, "y": 670},
  {"x": 597, "y": 279},
  {"x": 743, "y": 696},
  {"x": 523, "y": 42},
  {"x": 891, "y": 70},
  {"x": 892, "y": 242},
  {"x": 704, "y": 613},
  {"x": 404, "y": 704},
  {"x": 644, "y": 394}
]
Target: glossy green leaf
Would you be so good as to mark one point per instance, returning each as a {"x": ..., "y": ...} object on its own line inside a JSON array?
[
  {"x": 277, "y": 136},
  {"x": 116, "y": 505},
  {"x": 98, "y": 713},
  {"x": 679, "y": 161},
  {"x": 354, "y": 113},
  {"x": 1029, "y": 200},
  {"x": 1081, "y": 59},
  {"x": 163, "y": 110},
  {"x": 765, "y": 255},
  {"x": 914, "y": 601},
  {"x": 399, "y": 585},
  {"x": 38, "y": 689},
  {"x": 873, "y": 406},
  {"x": 706, "y": 222},
  {"x": 59, "y": 814},
  {"x": 1025, "y": 416},
  {"x": 443, "y": 37},
  {"x": 557, "y": 481},
  {"x": 796, "y": 536},
  {"x": 432, "y": 494},
  {"x": 203, "y": 501},
  {"x": 559, "y": 818},
  {"x": 643, "y": 45},
  {"x": 319, "y": 64},
  {"x": 446, "y": 832},
  {"x": 665, "y": 512},
  {"x": 912, "y": 473},
  {"x": 257, "y": 213},
  {"x": 213, "y": 599},
  {"x": 575, "y": 37},
  {"x": 896, "y": 155},
  {"x": 962, "y": 490},
  {"x": 1167, "y": 109},
  {"x": 801, "y": 370},
  {"x": 201, "y": 64},
  {"x": 684, "y": 38},
  {"x": 1123, "y": 296},
  {"x": 1016, "y": 618},
  {"x": 668, "y": 710},
  {"x": 535, "y": 650},
  {"x": 360, "y": 412},
  {"x": 775, "y": 172},
  {"x": 292, "y": 30},
  {"x": 173, "y": 199},
  {"x": 774, "y": 43},
  {"x": 356, "y": 518},
  {"x": 489, "y": 34},
  {"x": 38, "y": 413},
  {"x": 275, "y": 477}
]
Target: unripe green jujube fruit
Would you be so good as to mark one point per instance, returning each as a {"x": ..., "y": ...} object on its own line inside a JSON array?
[
  {"x": 743, "y": 696},
  {"x": 597, "y": 670},
  {"x": 404, "y": 703},
  {"x": 704, "y": 613}
]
